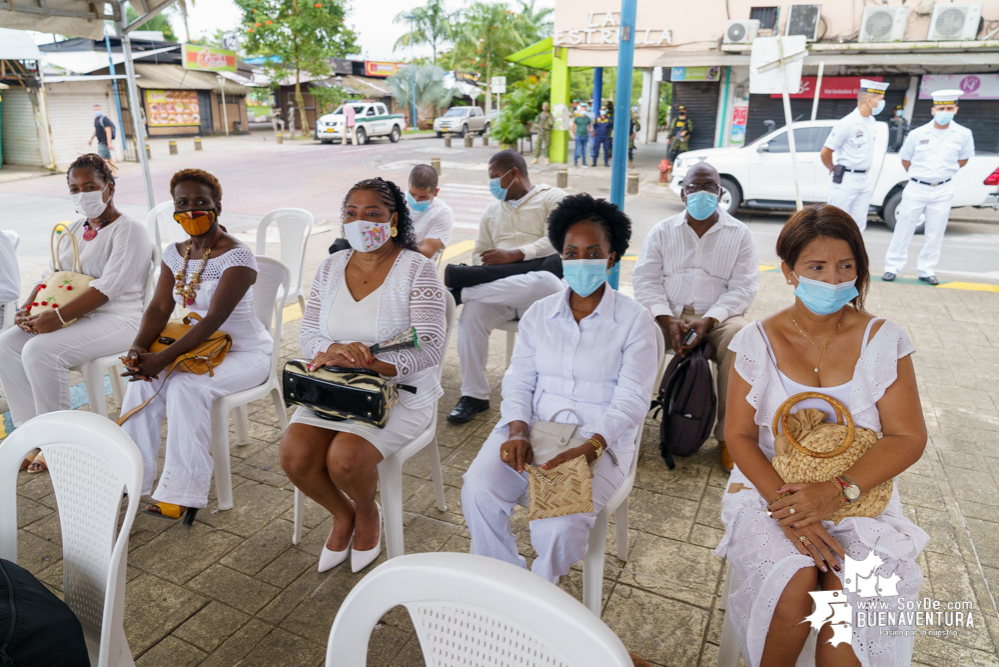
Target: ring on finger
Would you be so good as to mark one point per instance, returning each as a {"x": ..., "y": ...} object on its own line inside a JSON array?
[
  {"x": 790, "y": 510},
  {"x": 804, "y": 540},
  {"x": 504, "y": 455}
]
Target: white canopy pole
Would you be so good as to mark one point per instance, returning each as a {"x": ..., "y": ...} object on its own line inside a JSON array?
[{"x": 134, "y": 103}]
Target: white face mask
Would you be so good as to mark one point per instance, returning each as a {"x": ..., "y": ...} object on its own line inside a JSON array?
[
  {"x": 367, "y": 235},
  {"x": 90, "y": 204}
]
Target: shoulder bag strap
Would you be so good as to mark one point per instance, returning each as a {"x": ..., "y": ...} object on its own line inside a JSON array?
[{"x": 122, "y": 419}]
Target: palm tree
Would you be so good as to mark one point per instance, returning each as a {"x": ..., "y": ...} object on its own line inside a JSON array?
[
  {"x": 431, "y": 25},
  {"x": 487, "y": 34},
  {"x": 430, "y": 91},
  {"x": 182, "y": 5},
  {"x": 534, "y": 24}
]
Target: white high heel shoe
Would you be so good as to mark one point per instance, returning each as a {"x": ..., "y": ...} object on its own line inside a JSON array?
[
  {"x": 329, "y": 559},
  {"x": 361, "y": 559}
]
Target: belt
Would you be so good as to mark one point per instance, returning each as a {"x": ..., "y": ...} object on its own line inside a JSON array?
[
  {"x": 932, "y": 185},
  {"x": 856, "y": 171}
]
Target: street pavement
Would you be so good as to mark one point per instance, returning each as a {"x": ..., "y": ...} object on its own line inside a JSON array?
[{"x": 233, "y": 590}]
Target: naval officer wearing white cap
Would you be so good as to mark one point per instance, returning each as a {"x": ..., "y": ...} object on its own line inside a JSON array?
[
  {"x": 931, "y": 154},
  {"x": 852, "y": 138}
]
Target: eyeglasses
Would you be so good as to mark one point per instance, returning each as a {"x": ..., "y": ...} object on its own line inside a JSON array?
[{"x": 691, "y": 188}]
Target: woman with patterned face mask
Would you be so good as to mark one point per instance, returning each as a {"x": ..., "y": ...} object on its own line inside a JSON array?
[
  {"x": 379, "y": 288},
  {"x": 37, "y": 353},
  {"x": 211, "y": 274}
]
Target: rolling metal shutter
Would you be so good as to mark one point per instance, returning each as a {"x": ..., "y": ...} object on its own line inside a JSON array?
[
  {"x": 701, "y": 100},
  {"x": 979, "y": 116},
  {"x": 205, "y": 109},
  {"x": 71, "y": 117},
  {"x": 21, "y": 138}
]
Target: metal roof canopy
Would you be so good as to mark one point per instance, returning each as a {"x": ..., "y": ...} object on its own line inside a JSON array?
[
  {"x": 538, "y": 56},
  {"x": 84, "y": 18}
]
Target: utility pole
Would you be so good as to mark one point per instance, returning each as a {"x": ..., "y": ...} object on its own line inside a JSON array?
[
  {"x": 412, "y": 65},
  {"x": 622, "y": 113}
]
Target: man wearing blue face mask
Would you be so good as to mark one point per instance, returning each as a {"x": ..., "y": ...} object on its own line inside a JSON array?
[
  {"x": 852, "y": 138},
  {"x": 698, "y": 271},
  {"x": 931, "y": 155},
  {"x": 433, "y": 220}
]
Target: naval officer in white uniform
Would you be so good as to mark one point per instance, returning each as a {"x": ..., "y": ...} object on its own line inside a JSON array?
[
  {"x": 852, "y": 139},
  {"x": 931, "y": 154}
]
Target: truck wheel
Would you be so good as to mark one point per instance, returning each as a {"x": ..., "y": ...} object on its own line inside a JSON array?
[
  {"x": 463, "y": 131},
  {"x": 731, "y": 196},
  {"x": 440, "y": 134},
  {"x": 325, "y": 141},
  {"x": 890, "y": 213},
  {"x": 362, "y": 136},
  {"x": 485, "y": 130},
  {"x": 394, "y": 137}
]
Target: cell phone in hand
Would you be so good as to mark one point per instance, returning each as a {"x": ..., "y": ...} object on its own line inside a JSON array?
[{"x": 689, "y": 337}]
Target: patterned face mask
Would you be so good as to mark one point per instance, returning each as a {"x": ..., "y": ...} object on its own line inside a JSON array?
[
  {"x": 195, "y": 223},
  {"x": 367, "y": 235}
]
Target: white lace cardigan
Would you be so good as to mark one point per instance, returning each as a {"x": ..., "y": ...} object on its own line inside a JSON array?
[{"x": 413, "y": 296}]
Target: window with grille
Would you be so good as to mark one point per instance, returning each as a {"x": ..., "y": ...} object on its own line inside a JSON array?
[{"x": 767, "y": 16}]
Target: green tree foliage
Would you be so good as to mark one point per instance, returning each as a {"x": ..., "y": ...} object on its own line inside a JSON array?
[
  {"x": 486, "y": 34},
  {"x": 297, "y": 36},
  {"x": 328, "y": 99},
  {"x": 431, "y": 25},
  {"x": 430, "y": 91},
  {"x": 158, "y": 22},
  {"x": 521, "y": 105}
]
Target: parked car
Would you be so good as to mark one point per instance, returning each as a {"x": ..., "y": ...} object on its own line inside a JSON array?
[
  {"x": 372, "y": 119},
  {"x": 759, "y": 175},
  {"x": 459, "y": 120}
]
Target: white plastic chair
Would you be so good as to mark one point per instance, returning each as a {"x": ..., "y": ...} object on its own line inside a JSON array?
[
  {"x": 511, "y": 328},
  {"x": 390, "y": 470},
  {"x": 593, "y": 562},
  {"x": 474, "y": 611},
  {"x": 294, "y": 226},
  {"x": 93, "y": 370},
  {"x": 91, "y": 462},
  {"x": 162, "y": 217},
  {"x": 728, "y": 651},
  {"x": 8, "y": 309},
  {"x": 273, "y": 280}
]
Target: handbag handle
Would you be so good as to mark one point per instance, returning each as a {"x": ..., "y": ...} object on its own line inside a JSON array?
[
  {"x": 54, "y": 248},
  {"x": 842, "y": 416},
  {"x": 579, "y": 420}
]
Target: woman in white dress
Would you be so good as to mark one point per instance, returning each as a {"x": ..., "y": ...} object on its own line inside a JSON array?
[
  {"x": 588, "y": 348},
  {"x": 37, "y": 353},
  {"x": 824, "y": 342},
  {"x": 380, "y": 288},
  {"x": 211, "y": 274}
]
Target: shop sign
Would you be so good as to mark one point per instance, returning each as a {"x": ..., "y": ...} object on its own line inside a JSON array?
[
  {"x": 209, "y": 59},
  {"x": 172, "y": 108},
  {"x": 376, "y": 68},
  {"x": 833, "y": 87},
  {"x": 737, "y": 136},
  {"x": 695, "y": 74},
  {"x": 975, "y": 86},
  {"x": 603, "y": 28}
]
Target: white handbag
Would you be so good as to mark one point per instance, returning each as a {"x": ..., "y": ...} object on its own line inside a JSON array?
[
  {"x": 551, "y": 438},
  {"x": 61, "y": 286}
]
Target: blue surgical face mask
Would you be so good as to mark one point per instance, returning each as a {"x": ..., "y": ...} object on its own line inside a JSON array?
[
  {"x": 584, "y": 276},
  {"x": 943, "y": 117},
  {"x": 496, "y": 187},
  {"x": 98, "y": 114},
  {"x": 825, "y": 299},
  {"x": 879, "y": 108},
  {"x": 417, "y": 206},
  {"x": 701, "y": 205}
]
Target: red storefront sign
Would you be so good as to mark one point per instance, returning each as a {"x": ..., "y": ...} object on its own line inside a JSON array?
[{"x": 833, "y": 87}]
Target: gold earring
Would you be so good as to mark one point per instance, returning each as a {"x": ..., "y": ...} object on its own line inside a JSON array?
[{"x": 395, "y": 232}]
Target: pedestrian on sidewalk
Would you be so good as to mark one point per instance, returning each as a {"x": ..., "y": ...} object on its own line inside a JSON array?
[
  {"x": 699, "y": 272},
  {"x": 632, "y": 133},
  {"x": 581, "y": 130},
  {"x": 602, "y": 130},
  {"x": 931, "y": 155},
  {"x": 677, "y": 138},
  {"x": 104, "y": 132},
  {"x": 543, "y": 125},
  {"x": 349, "y": 124}
]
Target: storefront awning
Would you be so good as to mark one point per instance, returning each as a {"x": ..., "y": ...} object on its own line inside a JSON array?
[
  {"x": 17, "y": 45},
  {"x": 538, "y": 55},
  {"x": 84, "y": 62},
  {"x": 175, "y": 77},
  {"x": 832, "y": 59}
]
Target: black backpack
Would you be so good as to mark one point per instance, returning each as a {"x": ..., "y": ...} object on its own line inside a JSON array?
[
  {"x": 688, "y": 403},
  {"x": 36, "y": 627}
]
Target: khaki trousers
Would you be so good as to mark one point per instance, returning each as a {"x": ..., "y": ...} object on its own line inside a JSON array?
[
  {"x": 719, "y": 337},
  {"x": 352, "y": 133}
]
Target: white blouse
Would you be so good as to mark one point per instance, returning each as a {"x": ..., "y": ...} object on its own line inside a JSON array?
[
  {"x": 353, "y": 321},
  {"x": 412, "y": 296},
  {"x": 603, "y": 367},
  {"x": 119, "y": 257}
]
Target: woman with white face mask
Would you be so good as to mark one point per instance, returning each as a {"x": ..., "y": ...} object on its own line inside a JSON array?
[
  {"x": 37, "y": 353},
  {"x": 379, "y": 288},
  {"x": 778, "y": 538},
  {"x": 589, "y": 349}
]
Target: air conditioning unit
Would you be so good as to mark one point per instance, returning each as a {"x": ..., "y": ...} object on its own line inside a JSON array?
[
  {"x": 883, "y": 24},
  {"x": 741, "y": 32},
  {"x": 804, "y": 20},
  {"x": 952, "y": 22}
]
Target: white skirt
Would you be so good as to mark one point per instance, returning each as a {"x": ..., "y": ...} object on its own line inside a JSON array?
[{"x": 404, "y": 425}]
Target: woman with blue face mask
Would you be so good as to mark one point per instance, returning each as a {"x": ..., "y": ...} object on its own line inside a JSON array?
[
  {"x": 588, "y": 349},
  {"x": 826, "y": 342}
]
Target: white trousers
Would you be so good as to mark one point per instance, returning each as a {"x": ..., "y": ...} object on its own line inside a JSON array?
[
  {"x": 917, "y": 200},
  {"x": 485, "y": 307},
  {"x": 853, "y": 195},
  {"x": 34, "y": 368},
  {"x": 186, "y": 402},
  {"x": 490, "y": 491}
]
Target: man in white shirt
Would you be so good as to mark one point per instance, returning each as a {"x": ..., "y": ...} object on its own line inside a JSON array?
[
  {"x": 433, "y": 220},
  {"x": 931, "y": 155},
  {"x": 10, "y": 279},
  {"x": 852, "y": 138},
  {"x": 513, "y": 229},
  {"x": 699, "y": 271}
]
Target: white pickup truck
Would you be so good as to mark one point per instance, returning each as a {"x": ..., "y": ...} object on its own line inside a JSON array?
[
  {"x": 760, "y": 175},
  {"x": 372, "y": 118}
]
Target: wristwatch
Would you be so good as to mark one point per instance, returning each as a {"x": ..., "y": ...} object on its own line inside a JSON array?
[{"x": 848, "y": 487}]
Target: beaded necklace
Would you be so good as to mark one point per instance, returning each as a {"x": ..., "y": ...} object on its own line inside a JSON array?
[
  {"x": 187, "y": 290},
  {"x": 91, "y": 232}
]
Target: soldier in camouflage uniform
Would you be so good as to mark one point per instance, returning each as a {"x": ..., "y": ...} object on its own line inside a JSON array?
[
  {"x": 632, "y": 133},
  {"x": 543, "y": 125}
]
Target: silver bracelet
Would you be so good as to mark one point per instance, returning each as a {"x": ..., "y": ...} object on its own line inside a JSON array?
[{"x": 59, "y": 315}]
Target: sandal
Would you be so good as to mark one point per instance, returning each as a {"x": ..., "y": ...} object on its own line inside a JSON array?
[
  {"x": 28, "y": 459},
  {"x": 38, "y": 464},
  {"x": 171, "y": 511}
]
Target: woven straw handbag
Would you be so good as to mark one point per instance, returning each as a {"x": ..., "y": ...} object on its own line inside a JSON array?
[
  {"x": 60, "y": 287},
  {"x": 563, "y": 490},
  {"x": 810, "y": 449}
]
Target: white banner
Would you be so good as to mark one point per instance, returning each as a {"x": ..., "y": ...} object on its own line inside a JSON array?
[{"x": 975, "y": 86}]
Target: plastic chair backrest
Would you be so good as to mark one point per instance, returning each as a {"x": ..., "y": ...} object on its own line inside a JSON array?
[
  {"x": 91, "y": 462},
  {"x": 174, "y": 232},
  {"x": 449, "y": 311},
  {"x": 294, "y": 226},
  {"x": 273, "y": 283},
  {"x": 154, "y": 275},
  {"x": 474, "y": 611}
]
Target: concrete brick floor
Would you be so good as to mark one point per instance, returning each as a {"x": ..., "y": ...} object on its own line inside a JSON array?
[{"x": 233, "y": 590}]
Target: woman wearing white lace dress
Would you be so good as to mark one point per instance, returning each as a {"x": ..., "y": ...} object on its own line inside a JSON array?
[
  {"x": 212, "y": 275},
  {"x": 376, "y": 290},
  {"x": 824, "y": 342}
]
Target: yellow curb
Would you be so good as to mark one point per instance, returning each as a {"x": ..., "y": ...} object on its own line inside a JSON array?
[
  {"x": 291, "y": 313},
  {"x": 459, "y": 248},
  {"x": 767, "y": 267},
  {"x": 972, "y": 287}
]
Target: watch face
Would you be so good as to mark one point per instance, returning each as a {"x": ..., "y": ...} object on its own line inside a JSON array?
[{"x": 852, "y": 492}]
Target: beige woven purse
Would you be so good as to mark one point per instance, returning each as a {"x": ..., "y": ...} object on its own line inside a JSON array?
[
  {"x": 60, "y": 287},
  {"x": 565, "y": 489},
  {"x": 810, "y": 449}
]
